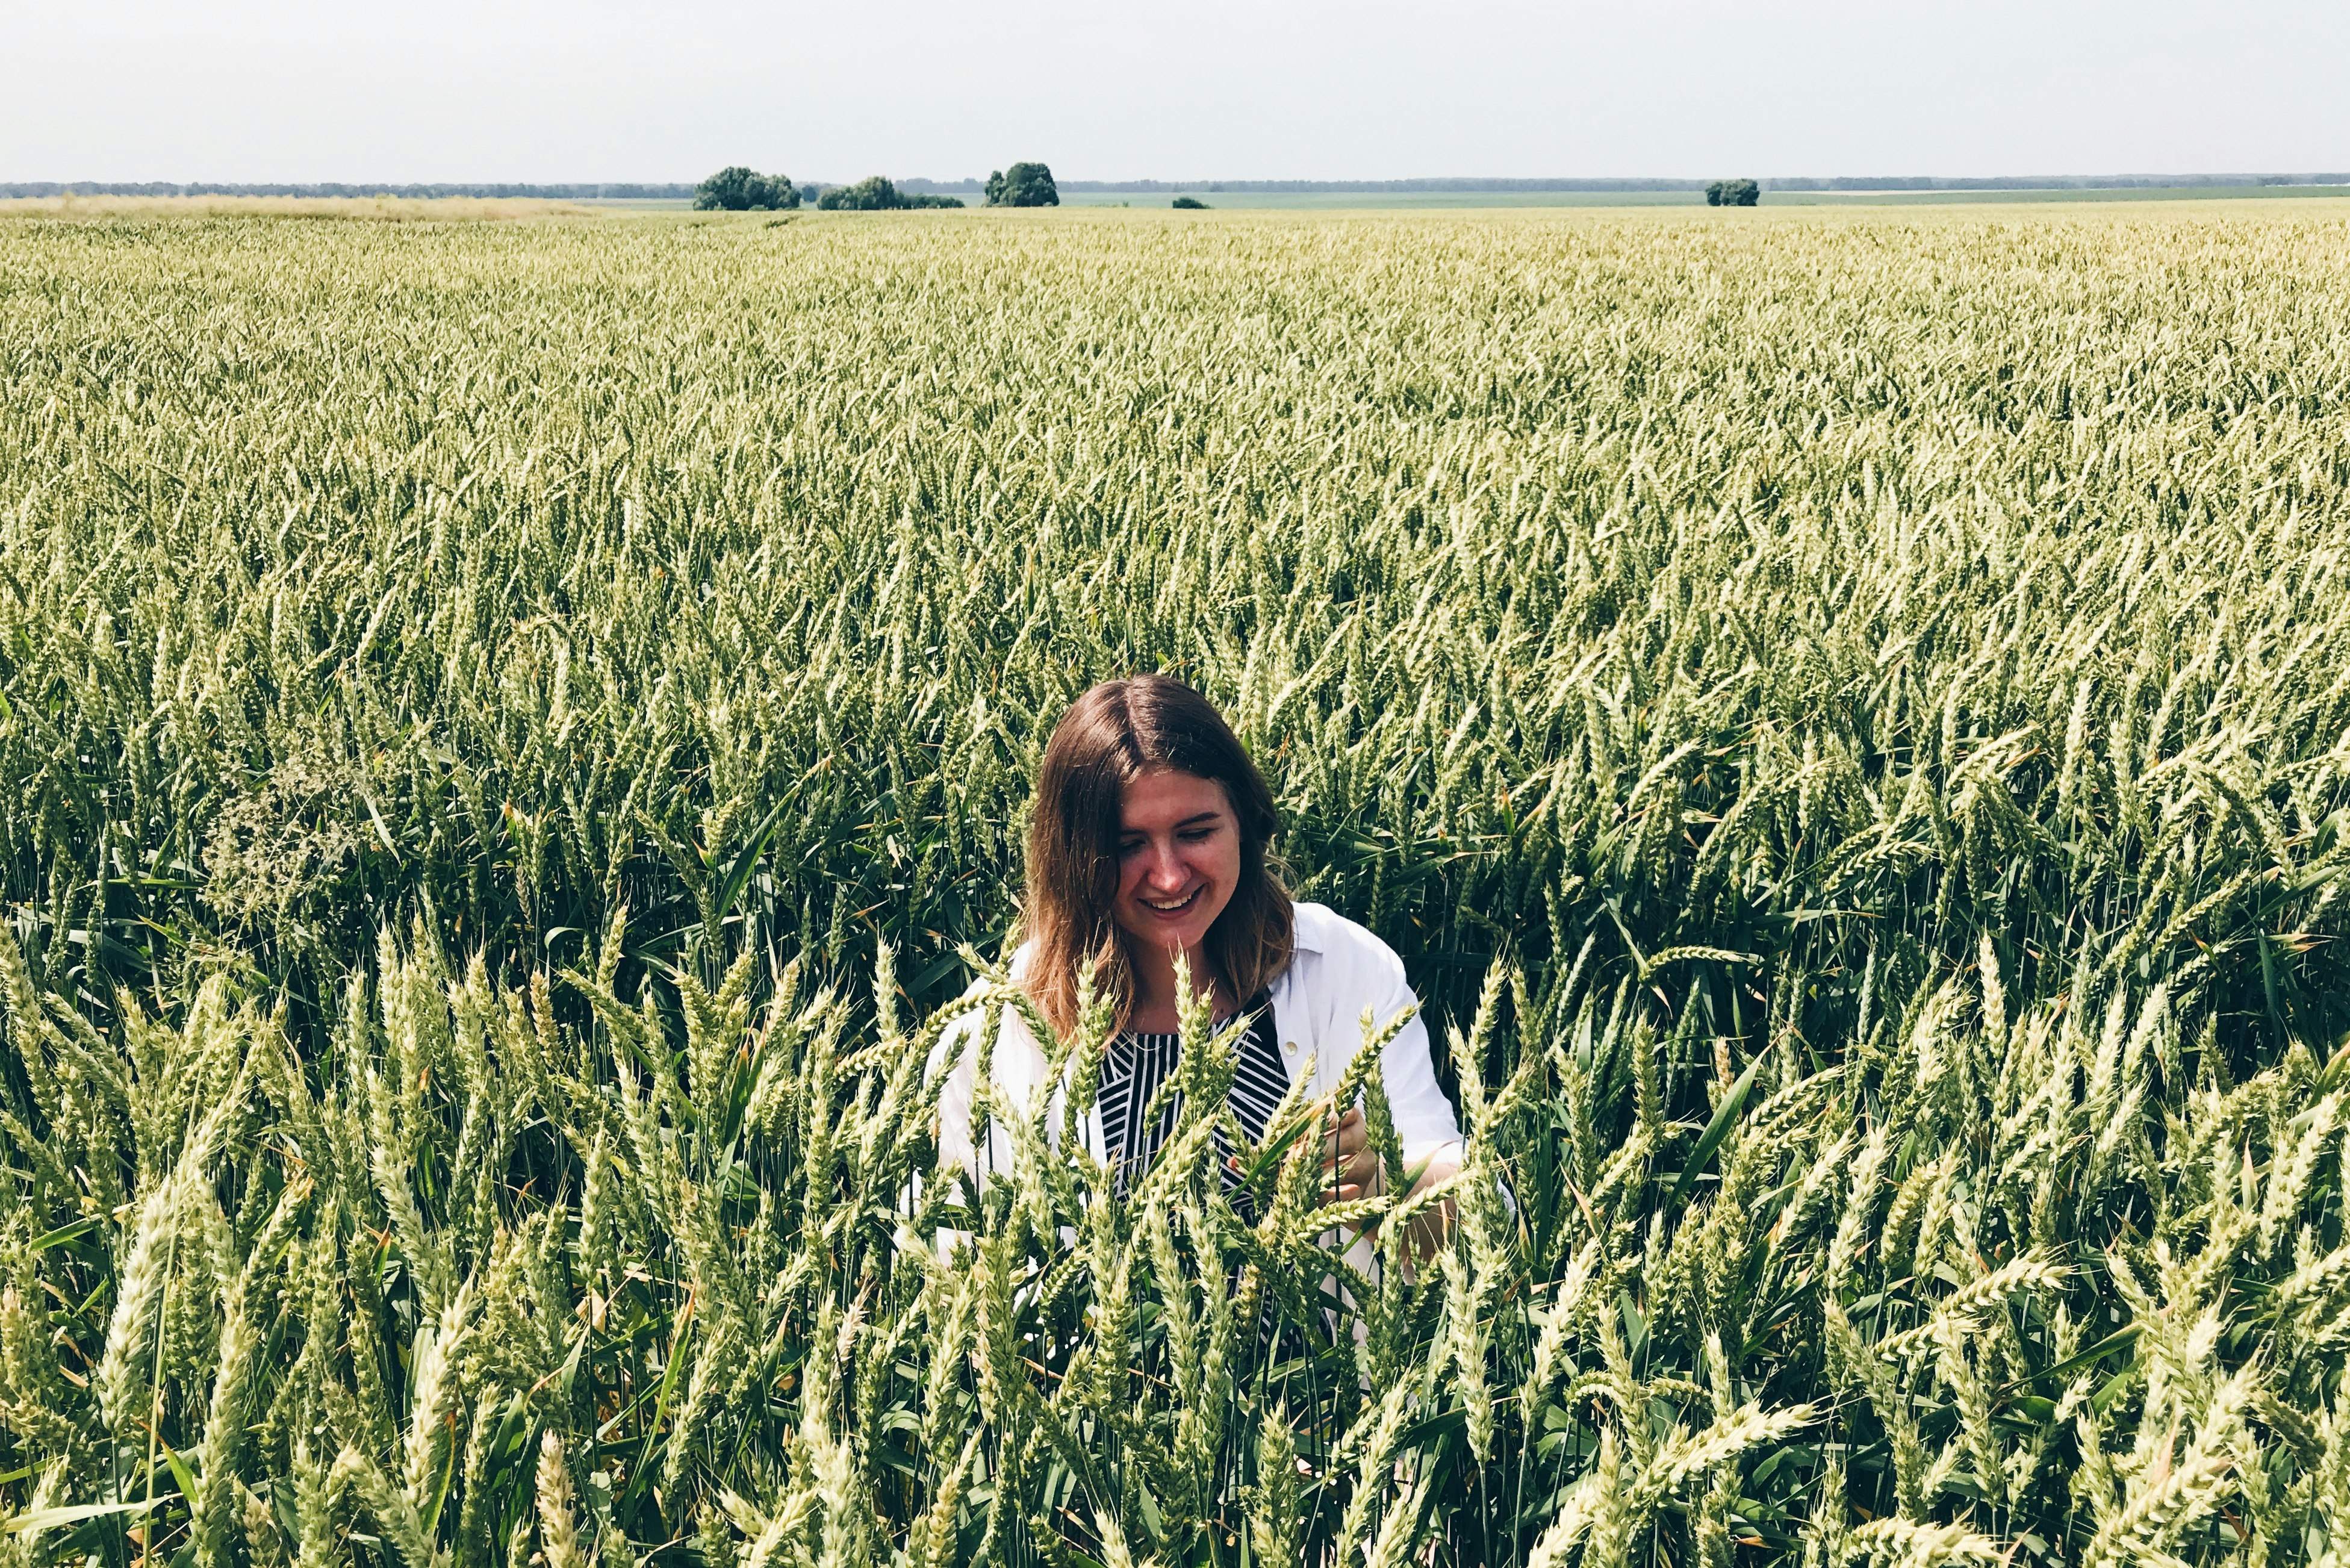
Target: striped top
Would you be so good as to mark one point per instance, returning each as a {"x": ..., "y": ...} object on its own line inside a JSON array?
[{"x": 1137, "y": 1064}]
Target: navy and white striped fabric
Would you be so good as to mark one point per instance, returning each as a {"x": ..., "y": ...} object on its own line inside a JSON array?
[{"x": 1139, "y": 1064}]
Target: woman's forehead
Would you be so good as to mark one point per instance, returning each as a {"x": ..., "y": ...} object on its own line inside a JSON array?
[{"x": 1164, "y": 797}]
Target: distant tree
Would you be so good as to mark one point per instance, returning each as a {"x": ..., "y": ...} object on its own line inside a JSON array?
[
  {"x": 1022, "y": 185},
  {"x": 1732, "y": 194},
  {"x": 880, "y": 194},
  {"x": 808, "y": 192},
  {"x": 873, "y": 195},
  {"x": 1714, "y": 193},
  {"x": 737, "y": 188},
  {"x": 1190, "y": 204}
]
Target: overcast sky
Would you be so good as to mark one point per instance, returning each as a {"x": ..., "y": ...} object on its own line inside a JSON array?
[{"x": 606, "y": 89}]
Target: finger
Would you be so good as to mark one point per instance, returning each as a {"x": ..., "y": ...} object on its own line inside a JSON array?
[{"x": 1344, "y": 1144}]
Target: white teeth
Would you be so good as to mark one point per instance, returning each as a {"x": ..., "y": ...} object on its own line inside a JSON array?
[{"x": 1171, "y": 908}]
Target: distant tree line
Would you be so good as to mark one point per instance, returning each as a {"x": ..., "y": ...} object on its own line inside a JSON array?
[
  {"x": 1732, "y": 194},
  {"x": 1371, "y": 187},
  {"x": 657, "y": 192},
  {"x": 877, "y": 193},
  {"x": 1892, "y": 183},
  {"x": 2051, "y": 182},
  {"x": 577, "y": 192},
  {"x": 740, "y": 189}
]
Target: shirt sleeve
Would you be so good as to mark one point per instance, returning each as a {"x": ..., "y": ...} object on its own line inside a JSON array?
[
  {"x": 1424, "y": 1121},
  {"x": 1019, "y": 1070},
  {"x": 955, "y": 1095}
]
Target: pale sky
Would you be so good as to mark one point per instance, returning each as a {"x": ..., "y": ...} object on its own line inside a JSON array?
[{"x": 468, "y": 90}]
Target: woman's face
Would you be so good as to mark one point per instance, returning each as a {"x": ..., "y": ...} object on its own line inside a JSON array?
[{"x": 1179, "y": 858}]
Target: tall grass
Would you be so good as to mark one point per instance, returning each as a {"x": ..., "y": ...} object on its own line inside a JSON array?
[{"x": 511, "y": 731}]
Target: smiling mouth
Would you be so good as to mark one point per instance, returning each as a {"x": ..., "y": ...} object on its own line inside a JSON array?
[{"x": 1177, "y": 908}]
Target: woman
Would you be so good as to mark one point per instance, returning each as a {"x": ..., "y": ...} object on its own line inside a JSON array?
[{"x": 1149, "y": 836}]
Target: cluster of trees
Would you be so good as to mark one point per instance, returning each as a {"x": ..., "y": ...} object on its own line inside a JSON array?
[
  {"x": 736, "y": 189},
  {"x": 1189, "y": 203},
  {"x": 1732, "y": 194},
  {"x": 877, "y": 195},
  {"x": 1022, "y": 185}
]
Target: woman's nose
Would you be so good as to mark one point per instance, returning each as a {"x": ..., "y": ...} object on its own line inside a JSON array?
[{"x": 1165, "y": 867}]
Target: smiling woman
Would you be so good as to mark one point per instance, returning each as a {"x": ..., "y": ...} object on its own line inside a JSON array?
[
  {"x": 1151, "y": 834},
  {"x": 1149, "y": 860},
  {"x": 1178, "y": 860}
]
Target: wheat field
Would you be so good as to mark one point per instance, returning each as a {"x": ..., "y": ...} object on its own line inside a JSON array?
[{"x": 513, "y": 742}]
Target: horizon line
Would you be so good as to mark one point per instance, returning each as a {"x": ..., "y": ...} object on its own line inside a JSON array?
[{"x": 656, "y": 189}]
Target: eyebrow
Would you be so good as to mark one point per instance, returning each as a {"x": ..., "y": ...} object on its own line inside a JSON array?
[{"x": 1187, "y": 822}]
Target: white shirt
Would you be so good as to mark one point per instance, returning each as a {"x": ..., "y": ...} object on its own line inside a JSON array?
[{"x": 1338, "y": 968}]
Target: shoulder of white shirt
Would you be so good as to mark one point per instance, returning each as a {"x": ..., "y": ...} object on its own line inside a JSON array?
[{"x": 1315, "y": 928}]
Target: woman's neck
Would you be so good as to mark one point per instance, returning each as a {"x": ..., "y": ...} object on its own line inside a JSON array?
[{"x": 1156, "y": 1007}]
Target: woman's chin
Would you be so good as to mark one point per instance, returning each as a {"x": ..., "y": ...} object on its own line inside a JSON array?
[{"x": 1184, "y": 934}]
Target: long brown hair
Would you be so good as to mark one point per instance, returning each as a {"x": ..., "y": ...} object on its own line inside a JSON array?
[{"x": 1116, "y": 730}]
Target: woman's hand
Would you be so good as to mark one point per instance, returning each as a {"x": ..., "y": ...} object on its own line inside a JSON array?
[
  {"x": 1346, "y": 1155},
  {"x": 1429, "y": 1228},
  {"x": 1354, "y": 1173}
]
